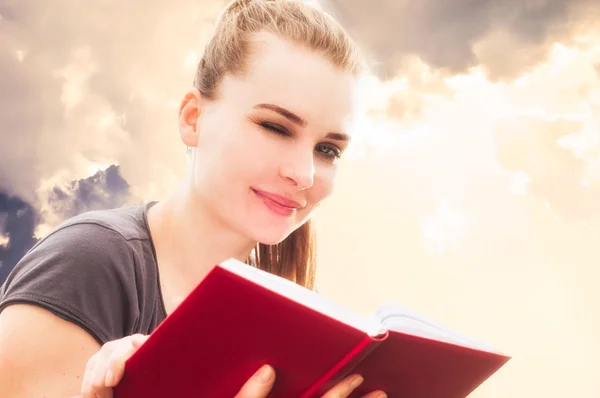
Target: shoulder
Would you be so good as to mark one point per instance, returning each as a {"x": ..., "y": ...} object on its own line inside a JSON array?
[
  {"x": 94, "y": 242},
  {"x": 128, "y": 223},
  {"x": 85, "y": 271},
  {"x": 105, "y": 236}
]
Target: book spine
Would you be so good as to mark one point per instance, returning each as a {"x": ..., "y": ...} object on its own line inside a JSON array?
[{"x": 343, "y": 367}]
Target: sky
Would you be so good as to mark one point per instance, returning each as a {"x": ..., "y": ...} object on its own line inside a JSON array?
[{"x": 471, "y": 195}]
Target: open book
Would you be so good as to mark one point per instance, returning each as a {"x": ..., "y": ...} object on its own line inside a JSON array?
[{"x": 239, "y": 318}]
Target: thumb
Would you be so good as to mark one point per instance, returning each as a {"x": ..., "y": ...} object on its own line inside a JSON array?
[
  {"x": 259, "y": 385},
  {"x": 138, "y": 339}
]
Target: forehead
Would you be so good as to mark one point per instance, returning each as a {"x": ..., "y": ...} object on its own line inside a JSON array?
[{"x": 296, "y": 78}]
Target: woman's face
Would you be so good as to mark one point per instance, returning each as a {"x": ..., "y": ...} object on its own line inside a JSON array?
[{"x": 267, "y": 150}]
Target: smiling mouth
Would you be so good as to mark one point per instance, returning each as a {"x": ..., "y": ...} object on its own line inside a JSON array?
[{"x": 278, "y": 204}]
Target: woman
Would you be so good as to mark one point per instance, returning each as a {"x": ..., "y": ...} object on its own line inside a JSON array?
[{"x": 266, "y": 123}]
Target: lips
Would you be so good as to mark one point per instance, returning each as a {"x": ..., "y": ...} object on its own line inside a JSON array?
[
  {"x": 278, "y": 204},
  {"x": 281, "y": 200}
]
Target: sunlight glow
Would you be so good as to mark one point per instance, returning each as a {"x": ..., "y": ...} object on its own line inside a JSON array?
[
  {"x": 20, "y": 55},
  {"x": 518, "y": 183},
  {"x": 42, "y": 230},
  {"x": 443, "y": 230},
  {"x": 94, "y": 168},
  {"x": 75, "y": 77},
  {"x": 4, "y": 240},
  {"x": 191, "y": 60}
]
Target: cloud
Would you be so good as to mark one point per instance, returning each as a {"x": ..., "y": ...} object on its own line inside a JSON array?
[
  {"x": 476, "y": 166},
  {"x": 89, "y": 85},
  {"x": 532, "y": 146},
  {"x": 19, "y": 220},
  {"x": 104, "y": 190},
  {"x": 506, "y": 37},
  {"x": 22, "y": 225},
  {"x": 3, "y": 217},
  {"x": 4, "y": 241}
]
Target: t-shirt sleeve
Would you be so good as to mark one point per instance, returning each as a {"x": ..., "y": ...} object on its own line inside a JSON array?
[{"x": 83, "y": 273}]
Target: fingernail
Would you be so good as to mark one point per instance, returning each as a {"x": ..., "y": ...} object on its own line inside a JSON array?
[
  {"x": 356, "y": 381},
  {"x": 109, "y": 378},
  {"x": 265, "y": 373},
  {"x": 381, "y": 395}
]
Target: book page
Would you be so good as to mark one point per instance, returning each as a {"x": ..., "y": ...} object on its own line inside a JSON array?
[
  {"x": 300, "y": 295},
  {"x": 397, "y": 318}
]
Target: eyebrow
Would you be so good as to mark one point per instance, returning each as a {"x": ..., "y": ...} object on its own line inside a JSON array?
[
  {"x": 338, "y": 137},
  {"x": 297, "y": 120}
]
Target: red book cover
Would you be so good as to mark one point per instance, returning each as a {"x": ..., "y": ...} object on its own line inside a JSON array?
[
  {"x": 239, "y": 318},
  {"x": 413, "y": 367}
]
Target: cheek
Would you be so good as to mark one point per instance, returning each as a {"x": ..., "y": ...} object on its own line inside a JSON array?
[
  {"x": 223, "y": 165},
  {"x": 323, "y": 186},
  {"x": 230, "y": 148}
]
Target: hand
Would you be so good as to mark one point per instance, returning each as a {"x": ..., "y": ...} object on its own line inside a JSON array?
[
  {"x": 105, "y": 368},
  {"x": 261, "y": 383}
]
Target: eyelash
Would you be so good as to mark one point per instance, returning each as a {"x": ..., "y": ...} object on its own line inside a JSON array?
[{"x": 334, "y": 154}]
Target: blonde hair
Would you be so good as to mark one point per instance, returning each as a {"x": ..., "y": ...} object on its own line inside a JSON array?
[{"x": 228, "y": 53}]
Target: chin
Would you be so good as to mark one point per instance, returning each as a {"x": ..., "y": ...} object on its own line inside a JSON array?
[
  {"x": 271, "y": 235},
  {"x": 263, "y": 227},
  {"x": 270, "y": 239}
]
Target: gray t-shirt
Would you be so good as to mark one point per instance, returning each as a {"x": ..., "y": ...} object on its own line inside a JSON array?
[{"x": 97, "y": 270}]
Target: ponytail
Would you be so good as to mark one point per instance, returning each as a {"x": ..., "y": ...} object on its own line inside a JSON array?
[{"x": 293, "y": 258}]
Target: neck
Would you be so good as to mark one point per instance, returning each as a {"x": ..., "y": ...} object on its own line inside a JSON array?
[{"x": 190, "y": 240}]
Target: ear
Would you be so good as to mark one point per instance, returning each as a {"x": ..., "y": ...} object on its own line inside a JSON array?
[{"x": 189, "y": 111}]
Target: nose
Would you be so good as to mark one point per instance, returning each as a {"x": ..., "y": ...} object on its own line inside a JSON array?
[{"x": 299, "y": 168}]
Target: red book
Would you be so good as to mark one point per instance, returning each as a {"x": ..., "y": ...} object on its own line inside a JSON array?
[{"x": 240, "y": 318}]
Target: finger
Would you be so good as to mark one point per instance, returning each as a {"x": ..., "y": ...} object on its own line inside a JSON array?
[
  {"x": 108, "y": 393},
  {"x": 259, "y": 385},
  {"x": 86, "y": 385},
  {"x": 98, "y": 377},
  {"x": 345, "y": 387},
  {"x": 138, "y": 339},
  {"x": 104, "y": 392},
  {"x": 116, "y": 362},
  {"x": 376, "y": 394}
]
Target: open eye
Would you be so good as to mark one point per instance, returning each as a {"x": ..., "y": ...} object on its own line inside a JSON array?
[{"x": 329, "y": 151}]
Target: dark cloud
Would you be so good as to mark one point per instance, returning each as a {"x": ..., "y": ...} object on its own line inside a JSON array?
[
  {"x": 19, "y": 225},
  {"x": 443, "y": 32},
  {"x": 104, "y": 190}
]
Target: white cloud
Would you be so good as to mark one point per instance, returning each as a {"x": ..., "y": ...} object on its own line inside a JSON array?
[
  {"x": 4, "y": 241},
  {"x": 444, "y": 230}
]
